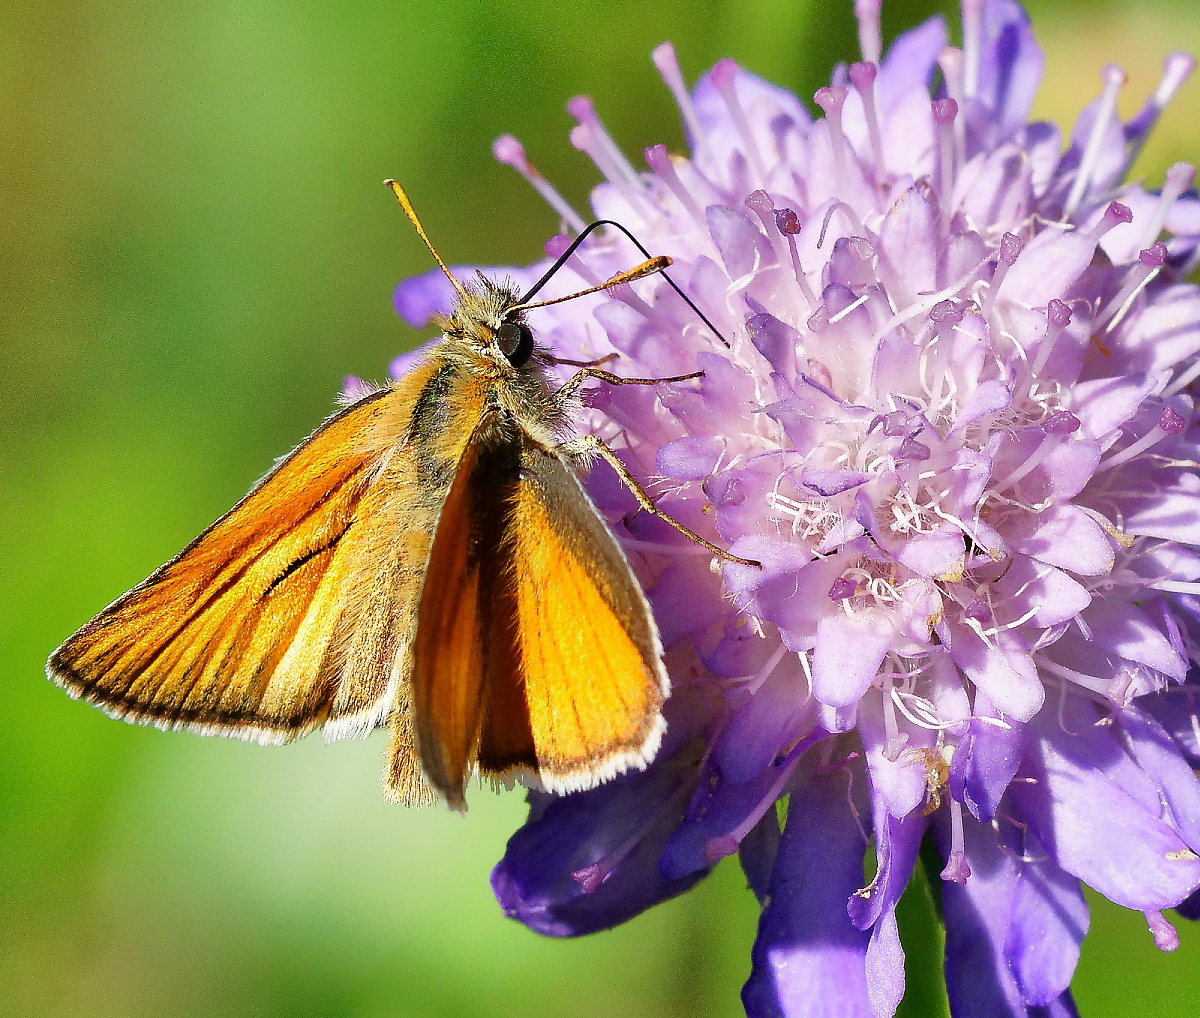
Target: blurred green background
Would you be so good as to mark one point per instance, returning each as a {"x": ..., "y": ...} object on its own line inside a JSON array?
[{"x": 197, "y": 249}]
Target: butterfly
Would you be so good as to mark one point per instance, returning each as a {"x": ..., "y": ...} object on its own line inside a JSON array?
[{"x": 427, "y": 560}]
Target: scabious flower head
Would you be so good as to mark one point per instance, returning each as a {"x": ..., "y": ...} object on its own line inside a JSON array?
[{"x": 955, "y": 423}]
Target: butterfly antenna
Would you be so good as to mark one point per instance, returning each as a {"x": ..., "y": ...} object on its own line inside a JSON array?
[
  {"x": 409, "y": 211},
  {"x": 645, "y": 269}
]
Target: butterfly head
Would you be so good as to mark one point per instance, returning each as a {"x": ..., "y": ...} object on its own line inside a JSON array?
[{"x": 487, "y": 322}]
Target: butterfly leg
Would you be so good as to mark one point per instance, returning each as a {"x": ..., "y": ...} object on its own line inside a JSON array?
[
  {"x": 581, "y": 376},
  {"x": 587, "y": 446},
  {"x": 581, "y": 364}
]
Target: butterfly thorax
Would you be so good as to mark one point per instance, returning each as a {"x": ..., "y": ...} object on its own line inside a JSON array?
[{"x": 494, "y": 367}]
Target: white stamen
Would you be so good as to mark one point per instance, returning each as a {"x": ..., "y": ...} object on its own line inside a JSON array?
[
  {"x": 870, "y": 30},
  {"x": 724, "y": 77},
  {"x": 591, "y": 137},
  {"x": 1182, "y": 380},
  {"x": 668, "y": 67},
  {"x": 925, "y": 305},
  {"x": 511, "y": 152},
  {"x": 856, "y": 224},
  {"x": 765, "y": 671},
  {"x": 801, "y": 279},
  {"x": 951, "y": 61},
  {"x": 1175, "y": 586},
  {"x": 929, "y": 723},
  {"x": 660, "y": 162},
  {"x": 971, "y": 17},
  {"x": 1178, "y": 179},
  {"x": 1152, "y": 437},
  {"x": 864, "y": 75},
  {"x": 1177, "y": 68},
  {"x": 830, "y": 99},
  {"x": 1031, "y": 462},
  {"x": 1015, "y": 624},
  {"x": 1138, "y": 279},
  {"x": 834, "y": 319},
  {"x": 1113, "y": 78},
  {"x": 1095, "y": 683},
  {"x": 895, "y": 740},
  {"x": 957, "y": 869}
]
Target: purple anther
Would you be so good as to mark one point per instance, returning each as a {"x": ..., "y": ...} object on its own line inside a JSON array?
[
  {"x": 818, "y": 373},
  {"x": 862, "y": 249},
  {"x": 979, "y": 611},
  {"x": 946, "y": 312},
  {"x": 863, "y": 74},
  {"x": 1058, "y": 314},
  {"x": 842, "y": 588},
  {"x": 590, "y": 877},
  {"x": 830, "y": 98},
  {"x": 1114, "y": 215},
  {"x": 723, "y": 73},
  {"x": 1166, "y": 938},
  {"x": 1170, "y": 421},
  {"x": 944, "y": 111},
  {"x": 582, "y": 137},
  {"x": 760, "y": 201},
  {"x": 956, "y": 869},
  {"x": 1181, "y": 176},
  {"x": 1155, "y": 256},
  {"x": 717, "y": 848},
  {"x": 581, "y": 108},
  {"x": 509, "y": 151},
  {"x": 787, "y": 221},
  {"x": 657, "y": 157},
  {"x": 895, "y": 424},
  {"x": 1061, "y": 422},
  {"x": 557, "y": 245},
  {"x": 912, "y": 449},
  {"x": 1010, "y": 247}
]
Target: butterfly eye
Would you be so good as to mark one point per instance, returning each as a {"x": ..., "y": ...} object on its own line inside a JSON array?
[{"x": 515, "y": 342}]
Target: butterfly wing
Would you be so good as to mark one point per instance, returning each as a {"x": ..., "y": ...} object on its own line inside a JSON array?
[
  {"x": 248, "y": 631},
  {"x": 591, "y": 677},
  {"x": 453, "y": 649},
  {"x": 536, "y": 654}
]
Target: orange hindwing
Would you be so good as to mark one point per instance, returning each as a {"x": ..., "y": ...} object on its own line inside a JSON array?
[{"x": 536, "y": 655}]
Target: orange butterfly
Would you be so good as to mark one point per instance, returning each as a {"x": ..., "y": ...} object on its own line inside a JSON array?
[{"x": 426, "y": 559}]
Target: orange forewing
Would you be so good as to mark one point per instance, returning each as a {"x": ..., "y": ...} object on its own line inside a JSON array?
[
  {"x": 535, "y": 655},
  {"x": 245, "y": 631}
]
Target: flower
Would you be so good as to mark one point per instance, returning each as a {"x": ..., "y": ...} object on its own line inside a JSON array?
[{"x": 951, "y": 412}]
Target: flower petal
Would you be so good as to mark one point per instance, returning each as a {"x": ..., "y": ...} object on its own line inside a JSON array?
[
  {"x": 1096, "y": 829},
  {"x": 978, "y": 915},
  {"x": 986, "y": 760},
  {"x": 807, "y": 952},
  {"x": 1166, "y": 766},
  {"x": 847, "y": 656},
  {"x": 1065, "y": 536},
  {"x": 1047, "y": 926},
  {"x": 589, "y": 861},
  {"x": 1010, "y": 64}
]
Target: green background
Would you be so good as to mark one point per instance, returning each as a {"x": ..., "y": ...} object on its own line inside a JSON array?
[{"x": 196, "y": 250}]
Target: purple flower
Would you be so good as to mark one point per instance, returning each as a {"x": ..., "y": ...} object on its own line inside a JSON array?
[{"x": 955, "y": 422}]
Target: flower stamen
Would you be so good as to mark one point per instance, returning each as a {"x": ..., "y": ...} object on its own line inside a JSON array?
[
  {"x": 1114, "y": 78},
  {"x": 509, "y": 151}
]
